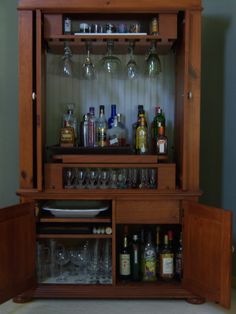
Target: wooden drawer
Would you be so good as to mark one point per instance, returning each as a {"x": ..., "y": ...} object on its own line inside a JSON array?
[{"x": 141, "y": 212}]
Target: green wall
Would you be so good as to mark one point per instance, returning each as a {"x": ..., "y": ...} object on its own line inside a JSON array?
[{"x": 218, "y": 111}]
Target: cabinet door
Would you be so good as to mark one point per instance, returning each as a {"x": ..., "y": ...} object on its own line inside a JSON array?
[
  {"x": 17, "y": 250},
  {"x": 207, "y": 242}
]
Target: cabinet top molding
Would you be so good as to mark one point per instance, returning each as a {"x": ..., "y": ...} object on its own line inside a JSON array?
[{"x": 101, "y": 6}]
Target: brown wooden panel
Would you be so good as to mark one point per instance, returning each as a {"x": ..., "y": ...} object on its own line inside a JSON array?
[
  {"x": 25, "y": 98},
  {"x": 125, "y": 159},
  {"x": 52, "y": 25},
  {"x": 207, "y": 242},
  {"x": 166, "y": 177},
  {"x": 17, "y": 250},
  {"x": 147, "y": 212},
  {"x": 168, "y": 26},
  {"x": 109, "y": 5},
  {"x": 53, "y": 177}
]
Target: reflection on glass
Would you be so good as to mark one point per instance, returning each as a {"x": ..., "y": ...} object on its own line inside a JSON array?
[
  {"x": 153, "y": 62},
  {"x": 111, "y": 64}
]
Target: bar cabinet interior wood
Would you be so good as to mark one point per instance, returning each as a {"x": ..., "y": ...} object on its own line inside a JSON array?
[{"x": 206, "y": 230}]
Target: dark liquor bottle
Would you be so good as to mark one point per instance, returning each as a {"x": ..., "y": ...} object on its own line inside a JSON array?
[
  {"x": 149, "y": 264},
  {"x": 158, "y": 250},
  {"x": 136, "y": 124},
  {"x": 135, "y": 258},
  {"x": 159, "y": 120},
  {"x": 125, "y": 260},
  {"x": 179, "y": 260},
  {"x": 166, "y": 261}
]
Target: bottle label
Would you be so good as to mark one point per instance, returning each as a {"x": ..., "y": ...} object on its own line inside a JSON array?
[
  {"x": 161, "y": 148},
  {"x": 102, "y": 137},
  {"x": 67, "y": 25},
  {"x": 136, "y": 256},
  {"x": 167, "y": 264},
  {"x": 125, "y": 264},
  {"x": 149, "y": 266}
]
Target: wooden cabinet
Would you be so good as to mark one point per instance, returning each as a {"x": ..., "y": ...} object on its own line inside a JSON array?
[{"x": 174, "y": 199}]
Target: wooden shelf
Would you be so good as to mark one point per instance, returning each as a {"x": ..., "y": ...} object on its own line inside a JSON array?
[
  {"x": 77, "y": 44},
  {"x": 73, "y": 236},
  {"x": 75, "y": 220}
]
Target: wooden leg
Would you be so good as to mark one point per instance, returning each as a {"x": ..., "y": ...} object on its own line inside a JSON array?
[
  {"x": 23, "y": 298},
  {"x": 196, "y": 300}
]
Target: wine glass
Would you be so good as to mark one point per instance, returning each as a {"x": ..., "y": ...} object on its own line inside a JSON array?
[
  {"x": 67, "y": 63},
  {"x": 111, "y": 64},
  {"x": 88, "y": 68},
  {"x": 104, "y": 177},
  {"x": 68, "y": 178},
  {"x": 62, "y": 258},
  {"x": 80, "y": 176},
  {"x": 131, "y": 67},
  {"x": 153, "y": 62}
]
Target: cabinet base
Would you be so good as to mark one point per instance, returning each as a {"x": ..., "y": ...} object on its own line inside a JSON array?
[
  {"x": 24, "y": 297},
  {"x": 196, "y": 300}
]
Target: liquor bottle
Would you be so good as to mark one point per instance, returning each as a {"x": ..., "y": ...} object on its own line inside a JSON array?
[
  {"x": 69, "y": 119},
  {"x": 159, "y": 120},
  {"x": 166, "y": 260},
  {"x": 125, "y": 260},
  {"x": 136, "y": 124},
  {"x": 135, "y": 259},
  {"x": 84, "y": 131},
  {"x": 142, "y": 246},
  {"x": 113, "y": 114},
  {"x": 91, "y": 128},
  {"x": 116, "y": 136},
  {"x": 162, "y": 141},
  {"x": 158, "y": 250},
  {"x": 179, "y": 260},
  {"x": 149, "y": 259},
  {"x": 142, "y": 137},
  {"x": 101, "y": 128}
]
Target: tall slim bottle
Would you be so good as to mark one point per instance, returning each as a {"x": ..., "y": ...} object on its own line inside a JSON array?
[
  {"x": 179, "y": 260},
  {"x": 101, "y": 128},
  {"x": 91, "y": 128},
  {"x": 84, "y": 131},
  {"x": 135, "y": 258},
  {"x": 142, "y": 137},
  {"x": 111, "y": 118},
  {"x": 125, "y": 260}
]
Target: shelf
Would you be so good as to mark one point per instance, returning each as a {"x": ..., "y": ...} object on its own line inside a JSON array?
[
  {"x": 55, "y": 44},
  {"x": 73, "y": 236},
  {"x": 75, "y": 220}
]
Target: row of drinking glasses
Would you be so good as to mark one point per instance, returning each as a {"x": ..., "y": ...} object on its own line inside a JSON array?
[
  {"x": 107, "y": 178},
  {"x": 110, "y": 63},
  {"x": 89, "y": 262}
]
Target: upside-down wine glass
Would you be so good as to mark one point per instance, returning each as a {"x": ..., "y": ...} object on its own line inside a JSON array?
[
  {"x": 131, "y": 67},
  {"x": 110, "y": 63},
  {"x": 88, "y": 68},
  {"x": 153, "y": 62}
]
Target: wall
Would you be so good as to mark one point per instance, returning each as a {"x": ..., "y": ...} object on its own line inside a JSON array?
[{"x": 218, "y": 151}]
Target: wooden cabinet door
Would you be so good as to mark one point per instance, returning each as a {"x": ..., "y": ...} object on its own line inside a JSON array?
[
  {"x": 207, "y": 242},
  {"x": 17, "y": 250}
]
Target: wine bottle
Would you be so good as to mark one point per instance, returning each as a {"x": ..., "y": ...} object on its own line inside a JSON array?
[
  {"x": 179, "y": 260},
  {"x": 125, "y": 260},
  {"x": 166, "y": 261},
  {"x": 149, "y": 271},
  {"x": 135, "y": 258}
]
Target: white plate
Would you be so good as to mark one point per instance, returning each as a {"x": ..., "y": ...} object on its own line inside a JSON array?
[{"x": 73, "y": 210}]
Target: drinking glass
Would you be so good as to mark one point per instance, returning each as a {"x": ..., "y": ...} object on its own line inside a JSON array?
[
  {"x": 42, "y": 261},
  {"x": 67, "y": 63},
  {"x": 131, "y": 67},
  {"x": 88, "y": 68},
  {"x": 80, "y": 176},
  {"x": 62, "y": 258},
  {"x": 110, "y": 64},
  {"x": 152, "y": 178},
  {"x": 144, "y": 182},
  {"x": 92, "y": 175},
  {"x": 113, "y": 179},
  {"x": 153, "y": 62},
  {"x": 104, "y": 177},
  {"x": 69, "y": 178}
]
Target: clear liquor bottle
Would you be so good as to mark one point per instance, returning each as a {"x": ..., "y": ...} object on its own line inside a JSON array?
[
  {"x": 101, "y": 128},
  {"x": 69, "y": 119},
  {"x": 116, "y": 136}
]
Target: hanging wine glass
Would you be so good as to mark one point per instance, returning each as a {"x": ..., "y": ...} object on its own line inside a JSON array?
[
  {"x": 88, "y": 68},
  {"x": 153, "y": 61},
  {"x": 132, "y": 68},
  {"x": 111, "y": 64},
  {"x": 67, "y": 63}
]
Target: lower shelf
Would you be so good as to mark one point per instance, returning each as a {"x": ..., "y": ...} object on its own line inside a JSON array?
[{"x": 118, "y": 291}]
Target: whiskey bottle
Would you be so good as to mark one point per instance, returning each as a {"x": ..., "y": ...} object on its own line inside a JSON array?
[
  {"x": 166, "y": 261},
  {"x": 149, "y": 260},
  {"x": 135, "y": 259},
  {"x": 125, "y": 260},
  {"x": 142, "y": 137},
  {"x": 101, "y": 128},
  {"x": 69, "y": 119}
]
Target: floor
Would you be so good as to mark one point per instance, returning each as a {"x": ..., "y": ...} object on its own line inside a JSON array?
[{"x": 113, "y": 307}]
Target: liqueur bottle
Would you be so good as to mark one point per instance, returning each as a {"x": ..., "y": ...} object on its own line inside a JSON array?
[
  {"x": 179, "y": 260},
  {"x": 125, "y": 259},
  {"x": 69, "y": 119},
  {"x": 162, "y": 141},
  {"x": 135, "y": 258},
  {"x": 142, "y": 137},
  {"x": 113, "y": 114},
  {"x": 101, "y": 128},
  {"x": 149, "y": 260},
  {"x": 166, "y": 261},
  {"x": 91, "y": 128}
]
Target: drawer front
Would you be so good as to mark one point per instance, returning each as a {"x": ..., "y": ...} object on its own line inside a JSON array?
[{"x": 147, "y": 212}]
